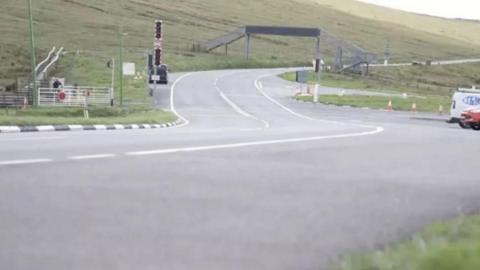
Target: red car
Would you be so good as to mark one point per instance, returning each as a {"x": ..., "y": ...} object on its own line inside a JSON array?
[{"x": 470, "y": 119}]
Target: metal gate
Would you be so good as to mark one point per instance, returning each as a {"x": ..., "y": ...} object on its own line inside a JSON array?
[{"x": 75, "y": 97}]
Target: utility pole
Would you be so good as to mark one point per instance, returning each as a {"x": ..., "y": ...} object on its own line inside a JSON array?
[
  {"x": 120, "y": 64},
  {"x": 32, "y": 47},
  {"x": 120, "y": 51}
]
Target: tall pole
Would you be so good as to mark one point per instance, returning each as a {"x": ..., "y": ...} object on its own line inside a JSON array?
[
  {"x": 32, "y": 48},
  {"x": 120, "y": 64},
  {"x": 317, "y": 69},
  {"x": 112, "y": 93},
  {"x": 120, "y": 52}
]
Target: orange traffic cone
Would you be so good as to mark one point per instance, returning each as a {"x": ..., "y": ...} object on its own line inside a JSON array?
[
  {"x": 414, "y": 107},
  {"x": 390, "y": 106}
]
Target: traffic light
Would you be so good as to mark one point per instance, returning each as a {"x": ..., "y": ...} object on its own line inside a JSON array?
[
  {"x": 158, "y": 29},
  {"x": 157, "y": 43},
  {"x": 158, "y": 57}
]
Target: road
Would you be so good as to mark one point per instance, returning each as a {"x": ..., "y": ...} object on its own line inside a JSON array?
[{"x": 251, "y": 180}]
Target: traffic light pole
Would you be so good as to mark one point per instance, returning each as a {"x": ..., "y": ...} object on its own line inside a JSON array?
[
  {"x": 154, "y": 79},
  {"x": 157, "y": 53},
  {"x": 34, "y": 62}
]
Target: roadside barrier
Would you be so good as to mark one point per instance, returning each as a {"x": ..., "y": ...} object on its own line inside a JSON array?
[{"x": 75, "y": 97}]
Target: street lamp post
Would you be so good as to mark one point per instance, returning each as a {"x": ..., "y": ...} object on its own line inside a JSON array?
[{"x": 32, "y": 47}]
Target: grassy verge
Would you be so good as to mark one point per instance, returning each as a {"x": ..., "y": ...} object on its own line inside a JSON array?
[
  {"x": 419, "y": 80},
  {"x": 442, "y": 246},
  {"x": 94, "y": 25},
  {"x": 427, "y": 104},
  {"x": 71, "y": 116}
]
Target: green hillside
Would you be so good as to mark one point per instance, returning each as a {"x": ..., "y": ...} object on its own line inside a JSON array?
[{"x": 91, "y": 27}]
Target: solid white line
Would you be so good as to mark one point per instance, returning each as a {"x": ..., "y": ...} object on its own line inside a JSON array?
[
  {"x": 254, "y": 143},
  {"x": 98, "y": 156},
  {"x": 235, "y": 106},
  {"x": 25, "y": 161},
  {"x": 172, "y": 98},
  {"x": 259, "y": 87}
]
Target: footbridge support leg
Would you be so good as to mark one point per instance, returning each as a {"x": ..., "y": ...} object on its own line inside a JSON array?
[{"x": 247, "y": 47}]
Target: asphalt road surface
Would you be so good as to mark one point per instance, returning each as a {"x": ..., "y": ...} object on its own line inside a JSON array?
[{"x": 251, "y": 180}]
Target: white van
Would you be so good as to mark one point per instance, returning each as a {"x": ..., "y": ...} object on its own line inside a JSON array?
[{"x": 464, "y": 99}]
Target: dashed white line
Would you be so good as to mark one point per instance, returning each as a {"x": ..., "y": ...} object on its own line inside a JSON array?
[
  {"x": 235, "y": 106},
  {"x": 24, "y": 161},
  {"x": 98, "y": 156}
]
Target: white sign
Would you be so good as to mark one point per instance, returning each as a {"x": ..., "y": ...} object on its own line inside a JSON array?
[
  {"x": 155, "y": 77},
  {"x": 157, "y": 44},
  {"x": 129, "y": 69}
]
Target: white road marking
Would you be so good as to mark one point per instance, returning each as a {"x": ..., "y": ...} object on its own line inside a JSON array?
[
  {"x": 259, "y": 87},
  {"x": 254, "y": 143},
  {"x": 98, "y": 156},
  {"x": 172, "y": 97},
  {"x": 24, "y": 161},
  {"x": 235, "y": 106}
]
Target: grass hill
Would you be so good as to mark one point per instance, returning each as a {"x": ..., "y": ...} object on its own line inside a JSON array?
[{"x": 91, "y": 28}]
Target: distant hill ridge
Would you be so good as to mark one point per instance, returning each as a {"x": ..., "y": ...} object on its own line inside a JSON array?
[{"x": 92, "y": 25}]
